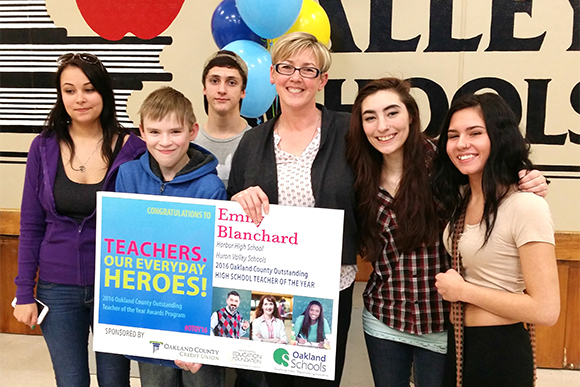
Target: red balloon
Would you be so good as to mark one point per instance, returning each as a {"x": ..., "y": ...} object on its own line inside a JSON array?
[{"x": 113, "y": 19}]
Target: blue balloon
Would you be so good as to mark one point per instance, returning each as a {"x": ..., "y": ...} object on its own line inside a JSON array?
[
  {"x": 260, "y": 93},
  {"x": 227, "y": 25},
  {"x": 269, "y": 18}
]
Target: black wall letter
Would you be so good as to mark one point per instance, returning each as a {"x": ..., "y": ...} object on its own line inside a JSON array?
[
  {"x": 502, "y": 87},
  {"x": 575, "y": 46},
  {"x": 575, "y": 102},
  {"x": 536, "y": 120},
  {"x": 437, "y": 103},
  {"x": 502, "y": 27},
  {"x": 381, "y": 30},
  {"x": 333, "y": 96},
  {"x": 340, "y": 33},
  {"x": 440, "y": 39}
]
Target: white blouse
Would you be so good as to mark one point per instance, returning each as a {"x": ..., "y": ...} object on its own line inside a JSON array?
[{"x": 295, "y": 187}]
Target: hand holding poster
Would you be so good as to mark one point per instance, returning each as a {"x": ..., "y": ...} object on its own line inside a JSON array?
[{"x": 180, "y": 278}]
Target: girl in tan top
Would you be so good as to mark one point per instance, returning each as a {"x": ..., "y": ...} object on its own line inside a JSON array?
[{"x": 507, "y": 245}]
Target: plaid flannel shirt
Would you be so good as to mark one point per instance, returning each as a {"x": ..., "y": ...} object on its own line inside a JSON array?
[{"x": 401, "y": 290}]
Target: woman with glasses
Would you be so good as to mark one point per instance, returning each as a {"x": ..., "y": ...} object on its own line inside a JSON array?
[
  {"x": 77, "y": 154},
  {"x": 298, "y": 159}
]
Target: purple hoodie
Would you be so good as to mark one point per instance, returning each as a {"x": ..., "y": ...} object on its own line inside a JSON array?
[{"x": 63, "y": 249}]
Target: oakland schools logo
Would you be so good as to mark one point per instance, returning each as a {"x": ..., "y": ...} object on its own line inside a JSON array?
[{"x": 281, "y": 357}]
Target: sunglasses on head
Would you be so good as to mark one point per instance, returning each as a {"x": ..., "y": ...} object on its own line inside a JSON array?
[{"x": 85, "y": 57}]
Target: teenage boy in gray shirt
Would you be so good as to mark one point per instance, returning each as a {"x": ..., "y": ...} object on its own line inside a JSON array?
[{"x": 224, "y": 79}]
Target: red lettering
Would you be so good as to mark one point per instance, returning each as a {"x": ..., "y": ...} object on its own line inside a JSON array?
[
  {"x": 183, "y": 250},
  {"x": 133, "y": 248},
  {"x": 194, "y": 250},
  {"x": 143, "y": 253},
  {"x": 120, "y": 246},
  {"x": 265, "y": 237},
  {"x": 109, "y": 241},
  {"x": 171, "y": 251},
  {"x": 224, "y": 213},
  {"x": 159, "y": 250}
]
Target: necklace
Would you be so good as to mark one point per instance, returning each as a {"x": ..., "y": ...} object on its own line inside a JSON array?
[{"x": 82, "y": 167}]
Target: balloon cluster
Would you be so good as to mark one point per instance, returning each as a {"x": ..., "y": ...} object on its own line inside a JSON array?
[{"x": 249, "y": 27}]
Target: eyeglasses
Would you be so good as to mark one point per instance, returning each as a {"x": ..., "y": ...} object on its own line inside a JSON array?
[
  {"x": 85, "y": 57},
  {"x": 288, "y": 69}
]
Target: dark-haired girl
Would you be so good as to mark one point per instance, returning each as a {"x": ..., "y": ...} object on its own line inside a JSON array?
[
  {"x": 400, "y": 233},
  {"x": 77, "y": 154},
  {"x": 311, "y": 327},
  {"x": 509, "y": 274}
]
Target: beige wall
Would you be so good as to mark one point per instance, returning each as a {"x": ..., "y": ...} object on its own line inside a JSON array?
[{"x": 192, "y": 43}]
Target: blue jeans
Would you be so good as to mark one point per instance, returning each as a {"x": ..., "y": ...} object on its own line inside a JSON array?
[
  {"x": 66, "y": 332},
  {"x": 391, "y": 363}
]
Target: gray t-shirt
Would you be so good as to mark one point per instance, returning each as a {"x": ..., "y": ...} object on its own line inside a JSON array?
[{"x": 223, "y": 149}]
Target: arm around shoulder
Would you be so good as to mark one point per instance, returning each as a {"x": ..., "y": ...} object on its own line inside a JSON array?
[{"x": 533, "y": 181}]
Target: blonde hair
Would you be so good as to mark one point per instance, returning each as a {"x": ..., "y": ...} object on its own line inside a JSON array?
[
  {"x": 165, "y": 101},
  {"x": 296, "y": 42}
]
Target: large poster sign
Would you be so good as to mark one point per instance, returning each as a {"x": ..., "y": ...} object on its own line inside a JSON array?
[{"x": 196, "y": 280}]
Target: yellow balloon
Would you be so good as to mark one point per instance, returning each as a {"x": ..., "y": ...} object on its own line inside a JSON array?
[{"x": 314, "y": 20}]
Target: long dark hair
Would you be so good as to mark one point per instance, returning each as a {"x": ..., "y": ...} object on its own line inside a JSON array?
[
  {"x": 413, "y": 204},
  {"x": 509, "y": 154},
  {"x": 58, "y": 119},
  {"x": 307, "y": 322},
  {"x": 260, "y": 307}
]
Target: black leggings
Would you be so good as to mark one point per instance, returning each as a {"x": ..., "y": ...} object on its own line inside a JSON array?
[
  {"x": 492, "y": 357},
  {"x": 344, "y": 312}
]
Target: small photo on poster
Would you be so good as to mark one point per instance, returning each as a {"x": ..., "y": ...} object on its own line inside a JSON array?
[
  {"x": 312, "y": 322},
  {"x": 271, "y": 317},
  {"x": 231, "y": 316}
]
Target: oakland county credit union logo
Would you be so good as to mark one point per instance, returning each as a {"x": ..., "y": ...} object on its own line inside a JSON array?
[
  {"x": 281, "y": 357},
  {"x": 156, "y": 345}
]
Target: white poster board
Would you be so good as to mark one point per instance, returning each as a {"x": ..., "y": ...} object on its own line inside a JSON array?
[{"x": 166, "y": 267}]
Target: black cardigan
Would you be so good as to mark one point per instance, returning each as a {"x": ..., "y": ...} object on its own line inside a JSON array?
[{"x": 254, "y": 163}]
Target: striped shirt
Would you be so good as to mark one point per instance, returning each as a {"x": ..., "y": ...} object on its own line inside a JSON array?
[{"x": 401, "y": 290}]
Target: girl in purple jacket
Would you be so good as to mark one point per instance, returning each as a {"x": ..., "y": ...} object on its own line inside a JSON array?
[{"x": 77, "y": 154}]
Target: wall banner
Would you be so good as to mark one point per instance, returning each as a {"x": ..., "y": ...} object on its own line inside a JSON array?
[{"x": 180, "y": 278}]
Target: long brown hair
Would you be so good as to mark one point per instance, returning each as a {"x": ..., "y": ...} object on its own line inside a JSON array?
[
  {"x": 260, "y": 307},
  {"x": 413, "y": 204}
]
